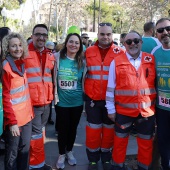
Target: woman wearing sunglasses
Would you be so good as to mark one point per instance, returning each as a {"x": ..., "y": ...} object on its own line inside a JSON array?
[{"x": 131, "y": 85}]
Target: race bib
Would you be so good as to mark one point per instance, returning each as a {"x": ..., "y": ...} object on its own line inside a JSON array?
[
  {"x": 164, "y": 101},
  {"x": 68, "y": 84}
]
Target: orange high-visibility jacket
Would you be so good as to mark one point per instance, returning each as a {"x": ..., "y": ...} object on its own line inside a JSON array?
[
  {"x": 40, "y": 82},
  {"x": 135, "y": 90},
  {"x": 20, "y": 97},
  {"x": 97, "y": 71}
]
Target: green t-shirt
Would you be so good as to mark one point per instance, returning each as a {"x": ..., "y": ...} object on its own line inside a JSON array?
[
  {"x": 149, "y": 43},
  {"x": 1, "y": 110},
  {"x": 162, "y": 59},
  {"x": 69, "y": 81}
]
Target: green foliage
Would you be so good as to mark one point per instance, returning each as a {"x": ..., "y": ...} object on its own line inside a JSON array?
[
  {"x": 112, "y": 13},
  {"x": 12, "y": 4}
]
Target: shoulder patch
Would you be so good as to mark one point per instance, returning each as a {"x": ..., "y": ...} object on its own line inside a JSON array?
[
  {"x": 148, "y": 59},
  {"x": 116, "y": 50}
]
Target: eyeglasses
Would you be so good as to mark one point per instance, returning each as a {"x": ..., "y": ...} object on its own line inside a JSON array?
[
  {"x": 161, "y": 30},
  {"x": 85, "y": 37},
  {"x": 105, "y": 24},
  {"x": 38, "y": 35},
  {"x": 129, "y": 41}
]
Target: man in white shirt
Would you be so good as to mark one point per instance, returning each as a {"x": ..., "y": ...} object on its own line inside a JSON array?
[{"x": 130, "y": 98}]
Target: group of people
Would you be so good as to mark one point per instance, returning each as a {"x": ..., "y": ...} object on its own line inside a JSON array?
[{"x": 116, "y": 84}]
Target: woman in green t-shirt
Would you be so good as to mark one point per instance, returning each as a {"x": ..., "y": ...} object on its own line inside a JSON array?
[{"x": 68, "y": 77}]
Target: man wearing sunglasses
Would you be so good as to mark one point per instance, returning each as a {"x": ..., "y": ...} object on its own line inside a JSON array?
[
  {"x": 99, "y": 129},
  {"x": 85, "y": 38},
  {"x": 162, "y": 58},
  {"x": 130, "y": 98},
  {"x": 39, "y": 65}
]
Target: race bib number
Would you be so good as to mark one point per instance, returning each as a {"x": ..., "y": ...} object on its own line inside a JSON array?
[
  {"x": 68, "y": 84},
  {"x": 164, "y": 101}
]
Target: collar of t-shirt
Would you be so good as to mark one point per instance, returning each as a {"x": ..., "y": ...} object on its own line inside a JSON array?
[{"x": 135, "y": 62}]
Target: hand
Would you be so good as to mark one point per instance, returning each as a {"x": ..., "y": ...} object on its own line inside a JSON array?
[
  {"x": 112, "y": 116},
  {"x": 14, "y": 130}
]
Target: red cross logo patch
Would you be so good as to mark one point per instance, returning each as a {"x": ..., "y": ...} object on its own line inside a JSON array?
[
  {"x": 116, "y": 50},
  {"x": 148, "y": 58}
]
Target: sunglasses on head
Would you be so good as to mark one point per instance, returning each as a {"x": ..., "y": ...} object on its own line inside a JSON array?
[
  {"x": 161, "y": 30},
  {"x": 105, "y": 24},
  {"x": 129, "y": 41}
]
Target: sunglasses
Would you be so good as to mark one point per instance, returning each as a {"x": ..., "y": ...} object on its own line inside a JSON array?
[
  {"x": 129, "y": 41},
  {"x": 38, "y": 35},
  {"x": 105, "y": 24},
  {"x": 161, "y": 30}
]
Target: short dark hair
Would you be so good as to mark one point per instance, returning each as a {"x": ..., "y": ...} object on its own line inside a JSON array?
[
  {"x": 122, "y": 35},
  {"x": 161, "y": 20},
  {"x": 39, "y": 25},
  {"x": 133, "y": 31},
  {"x": 3, "y": 32},
  {"x": 148, "y": 25}
]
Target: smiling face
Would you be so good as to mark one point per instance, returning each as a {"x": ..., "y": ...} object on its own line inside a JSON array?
[
  {"x": 73, "y": 45},
  {"x": 136, "y": 43},
  {"x": 15, "y": 48},
  {"x": 164, "y": 35},
  {"x": 39, "y": 38}
]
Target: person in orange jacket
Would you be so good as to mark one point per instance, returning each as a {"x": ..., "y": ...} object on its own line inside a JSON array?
[
  {"x": 130, "y": 97},
  {"x": 39, "y": 67},
  {"x": 99, "y": 129},
  {"x": 18, "y": 111}
]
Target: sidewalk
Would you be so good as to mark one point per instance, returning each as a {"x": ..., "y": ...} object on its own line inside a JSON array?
[{"x": 51, "y": 147}]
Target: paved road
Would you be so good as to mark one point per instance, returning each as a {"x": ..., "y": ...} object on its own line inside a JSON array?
[{"x": 51, "y": 148}]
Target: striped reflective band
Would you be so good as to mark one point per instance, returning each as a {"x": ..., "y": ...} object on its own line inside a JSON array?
[
  {"x": 106, "y": 68},
  {"x": 117, "y": 164},
  {"x": 38, "y": 136},
  {"x": 97, "y": 77},
  {"x": 143, "y": 166},
  {"x": 47, "y": 79},
  {"x": 111, "y": 99},
  {"x": 33, "y": 70},
  {"x": 94, "y": 68},
  {"x": 34, "y": 79},
  {"x": 144, "y": 136},
  {"x": 147, "y": 91},
  {"x": 19, "y": 89},
  {"x": 109, "y": 89},
  {"x": 94, "y": 126},
  {"x": 135, "y": 92},
  {"x": 47, "y": 70},
  {"x": 122, "y": 135},
  {"x": 108, "y": 126},
  {"x": 106, "y": 149},
  {"x": 39, "y": 79},
  {"x": 20, "y": 99},
  {"x": 93, "y": 150},
  {"x": 135, "y": 105}
]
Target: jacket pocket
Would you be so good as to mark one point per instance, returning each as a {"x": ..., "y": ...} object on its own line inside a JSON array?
[{"x": 50, "y": 92}]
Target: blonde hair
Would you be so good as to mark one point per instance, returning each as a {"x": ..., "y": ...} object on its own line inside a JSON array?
[{"x": 5, "y": 44}]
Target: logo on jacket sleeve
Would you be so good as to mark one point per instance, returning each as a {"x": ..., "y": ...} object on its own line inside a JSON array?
[
  {"x": 148, "y": 58},
  {"x": 116, "y": 50}
]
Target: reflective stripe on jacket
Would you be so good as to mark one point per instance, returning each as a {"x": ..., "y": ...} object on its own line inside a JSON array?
[
  {"x": 135, "y": 90},
  {"x": 97, "y": 71},
  {"x": 40, "y": 82},
  {"x": 20, "y": 97}
]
